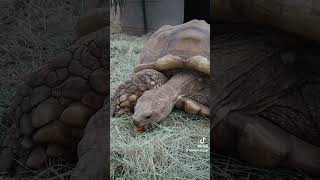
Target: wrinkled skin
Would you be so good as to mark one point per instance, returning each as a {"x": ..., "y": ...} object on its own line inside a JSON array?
[{"x": 264, "y": 100}]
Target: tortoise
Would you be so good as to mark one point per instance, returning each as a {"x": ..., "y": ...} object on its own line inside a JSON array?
[
  {"x": 252, "y": 80},
  {"x": 173, "y": 70},
  {"x": 253, "y": 97},
  {"x": 264, "y": 97},
  {"x": 58, "y": 110}
]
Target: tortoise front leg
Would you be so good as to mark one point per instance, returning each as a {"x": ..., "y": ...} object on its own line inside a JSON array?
[
  {"x": 127, "y": 94},
  {"x": 264, "y": 144}
]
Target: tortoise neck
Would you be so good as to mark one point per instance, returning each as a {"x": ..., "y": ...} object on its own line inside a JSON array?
[{"x": 182, "y": 84}]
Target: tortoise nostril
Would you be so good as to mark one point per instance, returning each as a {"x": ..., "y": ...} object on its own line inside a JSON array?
[{"x": 147, "y": 115}]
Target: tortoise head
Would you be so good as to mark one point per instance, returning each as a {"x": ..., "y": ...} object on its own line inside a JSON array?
[
  {"x": 153, "y": 107},
  {"x": 156, "y": 104}
]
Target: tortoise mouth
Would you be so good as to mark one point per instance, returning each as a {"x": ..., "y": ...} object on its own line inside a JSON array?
[
  {"x": 142, "y": 125},
  {"x": 145, "y": 127},
  {"x": 153, "y": 107}
]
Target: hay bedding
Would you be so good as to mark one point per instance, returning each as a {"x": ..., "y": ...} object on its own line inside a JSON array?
[{"x": 168, "y": 152}]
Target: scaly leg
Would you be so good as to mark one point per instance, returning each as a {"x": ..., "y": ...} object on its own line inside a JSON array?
[
  {"x": 52, "y": 105},
  {"x": 127, "y": 94}
]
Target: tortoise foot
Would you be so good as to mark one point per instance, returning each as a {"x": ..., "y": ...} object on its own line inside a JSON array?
[
  {"x": 127, "y": 94},
  {"x": 52, "y": 105}
]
